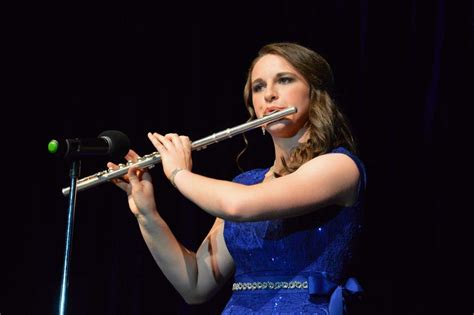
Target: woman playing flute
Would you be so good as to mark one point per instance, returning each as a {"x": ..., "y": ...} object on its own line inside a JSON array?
[{"x": 286, "y": 233}]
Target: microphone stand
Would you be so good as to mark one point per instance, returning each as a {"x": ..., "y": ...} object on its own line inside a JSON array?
[{"x": 74, "y": 174}]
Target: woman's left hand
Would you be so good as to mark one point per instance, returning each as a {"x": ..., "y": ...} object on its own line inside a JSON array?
[{"x": 175, "y": 151}]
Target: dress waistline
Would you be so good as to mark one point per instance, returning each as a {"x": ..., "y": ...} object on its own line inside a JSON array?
[{"x": 318, "y": 285}]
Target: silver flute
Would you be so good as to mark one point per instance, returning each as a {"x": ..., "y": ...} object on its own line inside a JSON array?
[{"x": 151, "y": 159}]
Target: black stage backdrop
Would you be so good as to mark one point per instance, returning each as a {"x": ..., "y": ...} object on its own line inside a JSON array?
[{"x": 79, "y": 71}]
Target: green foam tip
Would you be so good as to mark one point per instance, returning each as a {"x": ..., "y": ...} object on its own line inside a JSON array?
[{"x": 53, "y": 146}]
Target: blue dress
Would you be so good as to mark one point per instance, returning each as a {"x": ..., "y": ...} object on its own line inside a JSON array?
[{"x": 297, "y": 265}]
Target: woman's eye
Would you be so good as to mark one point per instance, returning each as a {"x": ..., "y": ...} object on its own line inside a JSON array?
[
  {"x": 257, "y": 88},
  {"x": 285, "y": 80}
]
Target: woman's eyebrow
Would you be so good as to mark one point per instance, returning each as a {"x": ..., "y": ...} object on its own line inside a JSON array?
[{"x": 278, "y": 75}]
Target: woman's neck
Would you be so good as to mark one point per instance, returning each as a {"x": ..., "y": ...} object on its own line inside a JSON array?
[{"x": 284, "y": 146}]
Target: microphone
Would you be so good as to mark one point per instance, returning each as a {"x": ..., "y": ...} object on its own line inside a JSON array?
[{"x": 111, "y": 143}]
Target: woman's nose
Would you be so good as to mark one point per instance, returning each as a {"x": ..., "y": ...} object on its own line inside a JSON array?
[{"x": 270, "y": 94}]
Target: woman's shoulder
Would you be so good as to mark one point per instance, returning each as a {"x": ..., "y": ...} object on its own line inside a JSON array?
[
  {"x": 358, "y": 162},
  {"x": 353, "y": 156}
]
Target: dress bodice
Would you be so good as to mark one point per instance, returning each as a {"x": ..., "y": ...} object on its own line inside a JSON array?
[{"x": 321, "y": 242}]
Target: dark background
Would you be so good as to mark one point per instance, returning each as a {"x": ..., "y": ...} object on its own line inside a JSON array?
[{"x": 77, "y": 71}]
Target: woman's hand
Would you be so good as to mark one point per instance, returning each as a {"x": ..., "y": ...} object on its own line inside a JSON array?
[
  {"x": 138, "y": 186},
  {"x": 175, "y": 151}
]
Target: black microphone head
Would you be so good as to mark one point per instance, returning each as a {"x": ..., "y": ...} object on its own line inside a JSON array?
[{"x": 118, "y": 142}]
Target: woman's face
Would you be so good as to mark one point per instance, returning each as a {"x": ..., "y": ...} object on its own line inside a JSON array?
[{"x": 276, "y": 85}]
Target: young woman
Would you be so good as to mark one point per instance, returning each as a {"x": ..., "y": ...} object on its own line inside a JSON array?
[{"x": 286, "y": 233}]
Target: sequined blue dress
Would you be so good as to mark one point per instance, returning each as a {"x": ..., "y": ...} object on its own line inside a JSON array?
[{"x": 297, "y": 265}]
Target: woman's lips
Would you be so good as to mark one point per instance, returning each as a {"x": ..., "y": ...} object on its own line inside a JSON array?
[{"x": 272, "y": 109}]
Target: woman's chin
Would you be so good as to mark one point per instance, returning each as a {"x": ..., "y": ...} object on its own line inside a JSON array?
[{"x": 282, "y": 131}]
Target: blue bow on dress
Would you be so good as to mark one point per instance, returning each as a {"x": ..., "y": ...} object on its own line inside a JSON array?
[{"x": 320, "y": 285}]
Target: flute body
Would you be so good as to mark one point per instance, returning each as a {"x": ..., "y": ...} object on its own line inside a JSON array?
[{"x": 147, "y": 161}]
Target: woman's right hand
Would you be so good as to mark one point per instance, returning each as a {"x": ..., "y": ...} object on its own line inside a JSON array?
[{"x": 138, "y": 186}]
